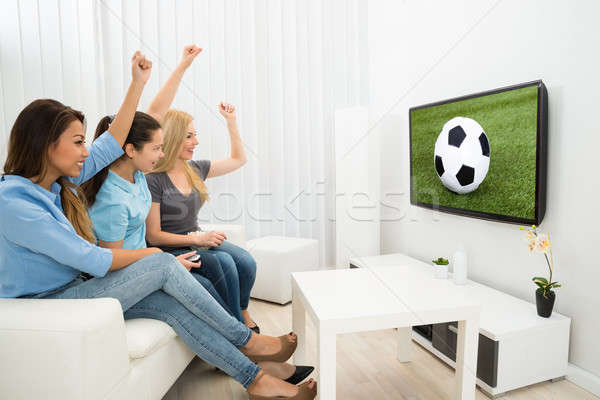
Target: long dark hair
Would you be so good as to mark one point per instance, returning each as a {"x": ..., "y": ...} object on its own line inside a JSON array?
[
  {"x": 141, "y": 132},
  {"x": 38, "y": 127}
]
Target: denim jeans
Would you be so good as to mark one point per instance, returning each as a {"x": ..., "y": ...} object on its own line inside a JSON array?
[
  {"x": 198, "y": 312},
  {"x": 237, "y": 261},
  {"x": 237, "y": 272},
  {"x": 207, "y": 284},
  {"x": 211, "y": 276},
  {"x": 204, "y": 340}
]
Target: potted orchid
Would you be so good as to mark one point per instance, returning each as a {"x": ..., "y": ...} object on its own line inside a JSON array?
[{"x": 544, "y": 295}]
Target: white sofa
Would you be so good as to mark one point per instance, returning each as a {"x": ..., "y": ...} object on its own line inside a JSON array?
[{"x": 83, "y": 349}]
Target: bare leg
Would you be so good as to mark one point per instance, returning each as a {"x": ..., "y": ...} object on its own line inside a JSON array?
[
  {"x": 278, "y": 370},
  {"x": 269, "y": 386},
  {"x": 248, "y": 319},
  {"x": 263, "y": 344}
]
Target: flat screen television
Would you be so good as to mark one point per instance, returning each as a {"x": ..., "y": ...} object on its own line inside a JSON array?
[{"x": 482, "y": 155}]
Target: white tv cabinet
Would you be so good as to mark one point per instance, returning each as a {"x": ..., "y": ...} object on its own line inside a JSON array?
[{"x": 516, "y": 347}]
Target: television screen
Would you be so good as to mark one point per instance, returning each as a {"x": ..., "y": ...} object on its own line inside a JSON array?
[{"x": 482, "y": 155}]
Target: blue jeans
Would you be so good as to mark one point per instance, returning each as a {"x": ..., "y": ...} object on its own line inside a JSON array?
[
  {"x": 237, "y": 273},
  {"x": 203, "y": 339},
  {"x": 207, "y": 284},
  {"x": 237, "y": 263},
  {"x": 210, "y": 275},
  {"x": 177, "y": 297}
]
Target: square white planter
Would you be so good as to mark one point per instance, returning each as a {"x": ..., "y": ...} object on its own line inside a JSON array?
[{"x": 440, "y": 271}]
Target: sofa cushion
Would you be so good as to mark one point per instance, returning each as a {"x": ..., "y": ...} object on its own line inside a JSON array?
[{"x": 145, "y": 336}]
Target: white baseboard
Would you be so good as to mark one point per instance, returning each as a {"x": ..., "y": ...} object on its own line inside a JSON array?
[{"x": 584, "y": 379}]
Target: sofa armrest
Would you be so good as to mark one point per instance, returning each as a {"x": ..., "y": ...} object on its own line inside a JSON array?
[
  {"x": 236, "y": 234},
  {"x": 67, "y": 349}
]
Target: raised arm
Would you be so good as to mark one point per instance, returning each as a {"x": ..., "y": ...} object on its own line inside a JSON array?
[
  {"x": 140, "y": 72},
  {"x": 238, "y": 155},
  {"x": 161, "y": 103},
  {"x": 108, "y": 148}
]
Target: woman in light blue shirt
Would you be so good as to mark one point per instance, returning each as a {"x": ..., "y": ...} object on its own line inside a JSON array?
[
  {"x": 119, "y": 202},
  {"x": 46, "y": 239},
  {"x": 46, "y": 159},
  {"x": 119, "y": 199}
]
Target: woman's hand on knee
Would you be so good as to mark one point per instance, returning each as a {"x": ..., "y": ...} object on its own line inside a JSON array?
[
  {"x": 183, "y": 259},
  {"x": 212, "y": 239}
]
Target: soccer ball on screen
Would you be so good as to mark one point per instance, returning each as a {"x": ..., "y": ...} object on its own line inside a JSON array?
[{"x": 462, "y": 155}]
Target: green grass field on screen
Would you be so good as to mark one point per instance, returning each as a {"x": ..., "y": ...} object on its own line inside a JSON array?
[{"x": 510, "y": 121}]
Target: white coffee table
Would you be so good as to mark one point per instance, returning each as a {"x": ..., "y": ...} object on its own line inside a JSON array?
[{"x": 367, "y": 299}]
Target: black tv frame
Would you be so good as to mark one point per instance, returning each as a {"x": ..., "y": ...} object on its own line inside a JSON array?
[{"x": 541, "y": 159}]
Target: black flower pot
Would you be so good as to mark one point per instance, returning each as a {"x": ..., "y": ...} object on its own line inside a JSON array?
[{"x": 544, "y": 304}]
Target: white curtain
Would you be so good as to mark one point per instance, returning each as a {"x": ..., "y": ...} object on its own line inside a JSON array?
[{"x": 285, "y": 64}]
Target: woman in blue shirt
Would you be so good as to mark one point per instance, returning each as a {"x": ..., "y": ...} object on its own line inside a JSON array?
[
  {"x": 119, "y": 202},
  {"x": 46, "y": 239},
  {"x": 118, "y": 195}
]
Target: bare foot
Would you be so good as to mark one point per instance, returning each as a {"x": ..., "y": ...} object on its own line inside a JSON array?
[
  {"x": 277, "y": 369},
  {"x": 262, "y": 345},
  {"x": 248, "y": 319},
  {"x": 269, "y": 386}
]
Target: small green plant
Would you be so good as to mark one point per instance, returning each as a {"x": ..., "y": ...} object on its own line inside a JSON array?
[{"x": 441, "y": 261}]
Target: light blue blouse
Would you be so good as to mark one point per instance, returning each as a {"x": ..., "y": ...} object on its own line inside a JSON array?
[
  {"x": 39, "y": 248},
  {"x": 120, "y": 210}
]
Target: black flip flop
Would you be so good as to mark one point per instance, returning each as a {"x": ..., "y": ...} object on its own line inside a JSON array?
[{"x": 302, "y": 372}]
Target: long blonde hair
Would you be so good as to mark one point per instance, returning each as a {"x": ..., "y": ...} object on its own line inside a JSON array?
[{"x": 174, "y": 127}]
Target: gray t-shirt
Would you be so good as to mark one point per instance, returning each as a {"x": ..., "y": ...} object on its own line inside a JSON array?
[{"x": 178, "y": 213}]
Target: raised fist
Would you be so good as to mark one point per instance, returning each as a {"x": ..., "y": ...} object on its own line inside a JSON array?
[
  {"x": 189, "y": 53},
  {"x": 140, "y": 67},
  {"x": 227, "y": 110}
]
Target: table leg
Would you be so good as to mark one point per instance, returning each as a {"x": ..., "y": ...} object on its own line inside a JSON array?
[
  {"x": 299, "y": 327},
  {"x": 404, "y": 344},
  {"x": 326, "y": 360},
  {"x": 466, "y": 359}
]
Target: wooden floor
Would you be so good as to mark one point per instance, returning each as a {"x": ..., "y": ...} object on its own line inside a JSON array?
[{"x": 366, "y": 369}]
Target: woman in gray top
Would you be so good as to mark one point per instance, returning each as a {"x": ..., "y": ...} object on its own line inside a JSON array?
[{"x": 178, "y": 192}]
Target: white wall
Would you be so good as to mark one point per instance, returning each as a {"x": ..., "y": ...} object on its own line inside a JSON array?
[{"x": 432, "y": 50}]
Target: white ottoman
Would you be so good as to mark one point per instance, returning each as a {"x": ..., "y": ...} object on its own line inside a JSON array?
[{"x": 276, "y": 258}]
